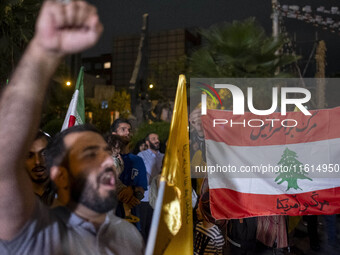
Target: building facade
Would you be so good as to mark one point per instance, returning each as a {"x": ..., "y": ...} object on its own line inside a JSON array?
[{"x": 166, "y": 55}]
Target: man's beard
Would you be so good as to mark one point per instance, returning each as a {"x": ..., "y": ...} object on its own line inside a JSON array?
[
  {"x": 84, "y": 193},
  {"x": 41, "y": 179},
  {"x": 153, "y": 146}
]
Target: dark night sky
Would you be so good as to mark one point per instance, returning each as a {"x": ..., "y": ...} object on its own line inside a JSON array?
[{"x": 124, "y": 17}]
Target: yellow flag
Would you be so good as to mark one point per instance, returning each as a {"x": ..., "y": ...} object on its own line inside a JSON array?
[{"x": 172, "y": 230}]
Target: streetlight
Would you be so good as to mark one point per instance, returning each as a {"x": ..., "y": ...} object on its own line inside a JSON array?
[
  {"x": 150, "y": 86},
  {"x": 68, "y": 83}
]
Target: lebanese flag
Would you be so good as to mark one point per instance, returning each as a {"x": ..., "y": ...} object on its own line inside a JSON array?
[
  {"x": 76, "y": 110},
  {"x": 303, "y": 153}
]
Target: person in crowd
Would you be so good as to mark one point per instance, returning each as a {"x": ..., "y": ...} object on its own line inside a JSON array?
[
  {"x": 125, "y": 193},
  {"x": 241, "y": 236},
  {"x": 78, "y": 159},
  {"x": 272, "y": 232},
  {"x": 312, "y": 228},
  {"x": 116, "y": 145},
  {"x": 208, "y": 238},
  {"x": 121, "y": 127},
  {"x": 153, "y": 162},
  {"x": 332, "y": 232},
  {"x": 197, "y": 149},
  {"x": 140, "y": 146},
  {"x": 36, "y": 169},
  {"x": 134, "y": 173}
]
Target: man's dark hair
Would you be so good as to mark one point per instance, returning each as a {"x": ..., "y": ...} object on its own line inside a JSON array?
[
  {"x": 116, "y": 123},
  {"x": 136, "y": 150},
  {"x": 56, "y": 149},
  {"x": 147, "y": 137},
  {"x": 114, "y": 140},
  {"x": 41, "y": 134}
]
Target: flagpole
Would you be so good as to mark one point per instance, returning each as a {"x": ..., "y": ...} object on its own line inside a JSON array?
[{"x": 155, "y": 219}]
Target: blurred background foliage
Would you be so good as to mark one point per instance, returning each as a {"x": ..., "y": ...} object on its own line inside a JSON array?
[
  {"x": 17, "y": 19},
  {"x": 239, "y": 49}
]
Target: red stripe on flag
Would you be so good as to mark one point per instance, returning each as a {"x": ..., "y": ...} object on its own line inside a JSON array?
[
  {"x": 321, "y": 125},
  {"x": 230, "y": 204},
  {"x": 71, "y": 121}
]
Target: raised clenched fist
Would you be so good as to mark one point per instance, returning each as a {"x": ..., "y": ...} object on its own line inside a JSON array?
[{"x": 67, "y": 28}]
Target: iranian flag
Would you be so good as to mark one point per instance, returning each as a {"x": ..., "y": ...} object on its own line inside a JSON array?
[
  {"x": 76, "y": 110},
  {"x": 274, "y": 164}
]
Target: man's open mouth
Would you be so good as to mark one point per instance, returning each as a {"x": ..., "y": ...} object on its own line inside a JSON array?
[
  {"x": 108, "y": 179},
  {"x": 38, "y": 169}
]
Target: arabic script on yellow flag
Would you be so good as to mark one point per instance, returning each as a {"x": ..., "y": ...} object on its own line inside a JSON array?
[{"x": 175, "y": 231}]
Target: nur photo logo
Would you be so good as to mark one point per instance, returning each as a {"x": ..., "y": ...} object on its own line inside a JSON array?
[{"x": 238, "y": 99}]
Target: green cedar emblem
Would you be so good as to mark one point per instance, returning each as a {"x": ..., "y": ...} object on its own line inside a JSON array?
[{"x": 292, "y": 170}]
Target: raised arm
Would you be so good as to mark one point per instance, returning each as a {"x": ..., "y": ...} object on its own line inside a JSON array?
[{"x": 60, "y": 30}]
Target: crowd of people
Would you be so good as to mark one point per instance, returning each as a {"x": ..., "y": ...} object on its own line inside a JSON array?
[
  {"x": 77, "y": 192},
  {"x": 80, "y": 192}
]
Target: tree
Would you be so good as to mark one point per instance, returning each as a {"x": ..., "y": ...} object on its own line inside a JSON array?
[
  {"x": 120, "y": 102},
  {"x": 239, "y": 49},
  {"x": 164, "y": 76},
  {"x": 161, "y": 128},
  {"x": 17, "y": 18},
  {"x": 291, "y": 170}
]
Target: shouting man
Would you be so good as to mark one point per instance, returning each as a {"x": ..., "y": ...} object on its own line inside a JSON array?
[{"x": 78, "y": 159}]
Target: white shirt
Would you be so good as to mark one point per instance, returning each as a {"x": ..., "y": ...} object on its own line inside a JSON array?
[{"x": 153, "y": 164}]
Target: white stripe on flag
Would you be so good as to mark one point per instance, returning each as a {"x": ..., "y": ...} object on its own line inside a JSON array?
[
  {"x": 266, "y": 186},
  {"x": 72, "y": 109}
]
